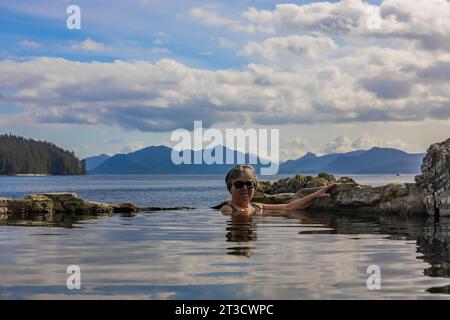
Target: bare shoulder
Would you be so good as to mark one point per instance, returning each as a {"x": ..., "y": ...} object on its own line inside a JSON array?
[{"x": 226, "y": 209}]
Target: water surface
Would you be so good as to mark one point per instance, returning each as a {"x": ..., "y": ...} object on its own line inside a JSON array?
[{"x": 201, "y": 254}]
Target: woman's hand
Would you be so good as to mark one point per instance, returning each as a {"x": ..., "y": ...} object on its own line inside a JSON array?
[{"x": 322, "y": 192}]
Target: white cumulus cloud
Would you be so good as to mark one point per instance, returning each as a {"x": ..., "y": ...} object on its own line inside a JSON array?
[{"x": 89, "y": 45}]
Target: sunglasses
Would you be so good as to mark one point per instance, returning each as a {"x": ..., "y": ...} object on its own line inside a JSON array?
[{"x": 240, "y": 184}]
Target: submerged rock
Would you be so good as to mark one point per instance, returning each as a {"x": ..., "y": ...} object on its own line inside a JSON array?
[
  {"x": 435, "y": 179},
  {"x": 126, "y": 207}
]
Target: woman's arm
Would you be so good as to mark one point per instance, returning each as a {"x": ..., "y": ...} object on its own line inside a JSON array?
[{"x": 301, "y": 203}]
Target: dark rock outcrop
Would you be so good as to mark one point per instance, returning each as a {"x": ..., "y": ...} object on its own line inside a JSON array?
[
  {"x": 401, "y": 198},
  {"x": 435, "y": 179},
  {"x": 298, "y": 182},
  {"x": 394, "y": 198},
  {"x": 43, "y": 207}
]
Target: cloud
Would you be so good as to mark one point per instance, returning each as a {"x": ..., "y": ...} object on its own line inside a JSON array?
[
  {"x": 343, "y": 144},
  {"x": 295, "y": 148},
  {"x": 133, "y": 146},
  {"x": 212, "y": 18},
  {"x": 338, "y": 145},
  {"x": 161, "y": 39},
  {"x": 426, "y": 21},
  {"x": 318, "y": 67},
  {"x": 227, "y": 44},
  {"x": 436, "y": 72},
  {"x": 386, "y": 87},
  {"x": 158, "y": 50},
  {"x": 365, "y": 141},
  {"x": 29, "y": 44},
  {"x": 167, "y": 94},
  {"x": 302, "y": 46},
  {"x": 89, "y": 45}
]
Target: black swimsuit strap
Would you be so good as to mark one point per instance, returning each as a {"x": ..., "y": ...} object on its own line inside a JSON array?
[
  {"x": 233, "y": 208},
  {"x": 257, "y": 208}
]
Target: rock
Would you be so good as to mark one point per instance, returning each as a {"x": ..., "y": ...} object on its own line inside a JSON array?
[
  {"x": 54, "y": 206},
  {"x": 394, "y": 198},
  {"x": 44, "y": 206},
  {"x": 345, "y": 180},
  {"x": 264, "y": 187},
  {"x": 326, "y": 176},
  {"x": 126, "y": 207},
  {"x": 280, "y": 186},
  {"x": 435, "y": 179},
  {"x": 317, "y": 182},
  {"x": 297, "y": 182},
  {"x": 273, "y": 198}
]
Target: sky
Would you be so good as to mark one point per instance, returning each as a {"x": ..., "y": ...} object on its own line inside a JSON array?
[{"x": 332, "y": 76}]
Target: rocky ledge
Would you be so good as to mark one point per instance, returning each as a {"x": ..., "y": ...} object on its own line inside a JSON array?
[
  {"x": 44, "y": 205},
  {"x": 400, "y": 198}
]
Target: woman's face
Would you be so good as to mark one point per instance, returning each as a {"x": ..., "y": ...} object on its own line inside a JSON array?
[{"x": 244, "y": 194}]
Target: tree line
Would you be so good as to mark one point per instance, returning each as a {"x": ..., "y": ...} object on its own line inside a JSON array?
[{"x": 19, "y": 155}]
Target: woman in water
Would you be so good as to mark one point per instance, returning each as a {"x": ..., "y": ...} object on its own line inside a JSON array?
[{"x": 241, "y": 183}]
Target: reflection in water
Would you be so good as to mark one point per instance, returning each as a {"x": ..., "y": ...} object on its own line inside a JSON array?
[
  {"x": 432, "y": 234},
  {"x": 63, "y": 220},
  {"x": 56, "y": 220},
  {"x": 283, "y": 255},
  {"x": 433, "y": 244},
  {"x": 241, "y": 229}
]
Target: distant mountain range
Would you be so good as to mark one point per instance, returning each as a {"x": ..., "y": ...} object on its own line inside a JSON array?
[
  {"x": 374, "y": 161},
  {"x": 157, "y": 159}
]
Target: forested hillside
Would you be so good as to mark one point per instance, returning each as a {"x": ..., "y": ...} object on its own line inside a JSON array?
[{"x": 26, "y": 156}]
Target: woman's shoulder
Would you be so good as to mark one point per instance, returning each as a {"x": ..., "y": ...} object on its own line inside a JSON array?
[{"x": 227, "y": 208}]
